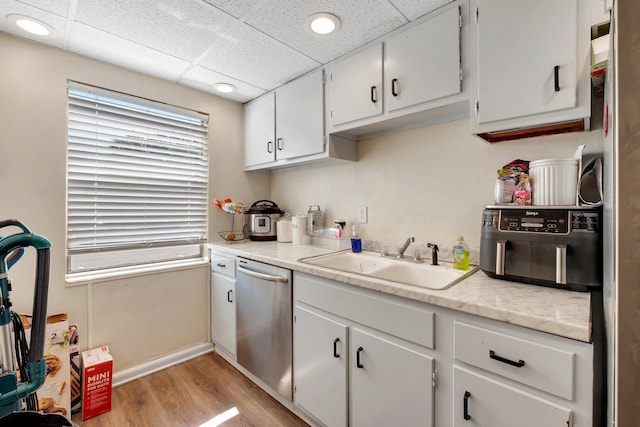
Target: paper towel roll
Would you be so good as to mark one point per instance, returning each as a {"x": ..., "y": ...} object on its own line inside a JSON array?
[{"x": 298, "y": 229}]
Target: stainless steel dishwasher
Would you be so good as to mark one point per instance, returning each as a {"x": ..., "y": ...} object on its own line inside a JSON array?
[{"x": 264, "y": 323}]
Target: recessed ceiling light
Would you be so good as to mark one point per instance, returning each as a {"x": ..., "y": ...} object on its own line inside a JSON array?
[
  {"x": 323, "y": 23},
  {"x": 225, "y": 87},
  {"x": 32, "y": 25}
]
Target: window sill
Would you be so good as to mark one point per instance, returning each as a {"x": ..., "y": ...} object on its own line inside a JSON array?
[{"x": 84, "y": 278}]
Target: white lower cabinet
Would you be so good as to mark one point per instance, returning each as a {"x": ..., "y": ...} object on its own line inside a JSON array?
[
  {"x": 223, "y": 308},
  {"x": 506, "y": 376},
  {"x": 364, "y": 358},
  {"x": 390, "y": 384},
  {"x": 480, "y": 401},
  {"x": 346, "y": 372},
  {"x": 320, "y": 351}
]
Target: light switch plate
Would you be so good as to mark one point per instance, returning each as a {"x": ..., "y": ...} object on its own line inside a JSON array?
[{"x": 362, "y": 215}]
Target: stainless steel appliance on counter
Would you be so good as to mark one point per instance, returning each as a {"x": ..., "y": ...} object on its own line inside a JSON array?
[
  {"x": 264, "y": 323},
  {"x": 262, "y": 217},
  {"x": 559, "y": 246}
]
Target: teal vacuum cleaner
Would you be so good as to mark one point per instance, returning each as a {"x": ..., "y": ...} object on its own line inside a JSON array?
[{"x": 22, "y": 365}]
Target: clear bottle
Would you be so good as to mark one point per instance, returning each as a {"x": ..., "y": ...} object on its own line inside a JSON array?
[
  {"x": 460, "y": 254},
  {"x": 356, "y": 240}
]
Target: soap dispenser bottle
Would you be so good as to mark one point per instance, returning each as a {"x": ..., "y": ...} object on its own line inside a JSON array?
[
  {"x": 356, "y": 240},
  {"x": 460, "y": 254}
]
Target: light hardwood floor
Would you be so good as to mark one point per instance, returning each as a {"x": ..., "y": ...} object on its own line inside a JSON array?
[{"x": 189, "y": 395}]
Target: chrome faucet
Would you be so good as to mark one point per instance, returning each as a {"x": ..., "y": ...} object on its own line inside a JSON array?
[{"x": 405, "y": 246}]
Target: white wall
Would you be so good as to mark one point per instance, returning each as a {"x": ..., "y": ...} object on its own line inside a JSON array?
[
  {"x": 430, "y": 183},
  {"x": 141, "y": 318}
]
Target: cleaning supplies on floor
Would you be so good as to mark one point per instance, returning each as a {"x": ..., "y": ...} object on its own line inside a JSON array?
[{"x": 460, "y": 254}]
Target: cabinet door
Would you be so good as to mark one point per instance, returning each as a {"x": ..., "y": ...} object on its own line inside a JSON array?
[
  {"x": 390, "y": 384},
  {"x": 223, "y": 312},
  {"x": 320, "y": 366},
  {"x": 423, "y": 63},
  {"x": 355, "y": 86},
  {"x": 483, "y": 402},
  {"x": 299, "y": 117},
  {"x": 259, "y": 131},
  {"x": 526, "y": 58}
]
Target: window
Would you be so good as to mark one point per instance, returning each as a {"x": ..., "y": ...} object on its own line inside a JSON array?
[{"x": 137, "y": 174}]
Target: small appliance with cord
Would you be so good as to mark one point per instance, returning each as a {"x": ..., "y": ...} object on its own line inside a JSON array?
[
  {"x": 554, "y": 246},
  {"x": 262, "y": 218}
]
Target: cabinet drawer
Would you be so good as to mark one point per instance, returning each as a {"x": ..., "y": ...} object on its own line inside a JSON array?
[
  {"x": 379, "y": 312},
  {"x": 545, "y": 368},
  {"x": 223, "y": 264}
]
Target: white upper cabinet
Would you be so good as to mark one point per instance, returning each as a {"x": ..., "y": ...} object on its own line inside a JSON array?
[
  {"x": 415, "y": 76},
  {"x": 423, "y": 63},
  {"x": 260, "y": 130},
  {"x": 527, "y": 59},
  {"x": 531, "y": 64},
  {"x": 355, "y": 84},
  {"x": 286, "y": 123},
  {"x": 299, "y": 118},
  {"x": 286, "y": 127}
]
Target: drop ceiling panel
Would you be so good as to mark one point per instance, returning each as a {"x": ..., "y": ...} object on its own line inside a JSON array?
[
  {"x": 59, "y": 7},
  {"x": 236, "y": 8},
  {"x": 58, "y": 23},
  {"x": 106, "y": 47},
  {"x": 249, "y": 56},
  {"x": 413, "y": 9},
  {"x": 362, "y": 21},
  {"x": 256, "y": 45},
  {"x": 200, "y": 78},
  {"x": 184, "y": 29}
]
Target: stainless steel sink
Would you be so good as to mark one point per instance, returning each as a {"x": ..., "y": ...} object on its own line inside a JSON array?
[{"x": 371, "y": 264}]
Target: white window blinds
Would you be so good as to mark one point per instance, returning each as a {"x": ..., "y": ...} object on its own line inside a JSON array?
[{"x": 137, "y": 174}]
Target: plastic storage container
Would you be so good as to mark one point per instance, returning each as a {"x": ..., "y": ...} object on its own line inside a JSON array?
[
  {"x": 554, "y": 181},
  {"x": 284, "y": 229},
  {"x": 298, "y": 229}
]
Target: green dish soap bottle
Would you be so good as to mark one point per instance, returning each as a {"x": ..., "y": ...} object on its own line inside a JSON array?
[{"x": 460, "y": 254}]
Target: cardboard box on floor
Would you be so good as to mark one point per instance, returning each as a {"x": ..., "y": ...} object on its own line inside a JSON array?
[
  {"x": 97, "y": 373},
  {"x": 54, "y": 396}
]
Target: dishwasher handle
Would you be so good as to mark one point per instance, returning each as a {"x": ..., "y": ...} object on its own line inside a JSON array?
[{"x": 262, "y": 276}]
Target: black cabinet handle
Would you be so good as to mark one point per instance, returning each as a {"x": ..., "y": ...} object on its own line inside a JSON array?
[
  {"x": 556, "y": 77},
  {"x": 494, "y": 356},
  {"x": 394, "y": 87},
  {"x": 374, "y": 94},
  {"x": 229, "y": 292},
  {"x": 358, "y": 351},
  {"x": 269, "y": 147},
  {"x": 221, "y": 265},
  {"x": 279, "y": 144},
  {"x": 335, "y": 347},
  {"x": 465, "y": 406}
]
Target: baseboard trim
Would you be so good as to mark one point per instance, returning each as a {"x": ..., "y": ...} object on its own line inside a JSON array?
[{"x": 159, "y": 364}]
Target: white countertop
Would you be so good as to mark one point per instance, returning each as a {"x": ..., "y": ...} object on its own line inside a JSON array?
[{"x": 555, "y": 311}]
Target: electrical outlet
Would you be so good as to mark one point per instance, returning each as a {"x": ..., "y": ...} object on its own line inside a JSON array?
[{"x": 362, "y": 214}]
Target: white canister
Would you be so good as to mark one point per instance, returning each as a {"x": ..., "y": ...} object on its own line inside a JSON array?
[
  {"x": 283, "y": 227},
  {"x": 298, "y": 229},
  {"x": 554, "y": 181}
]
